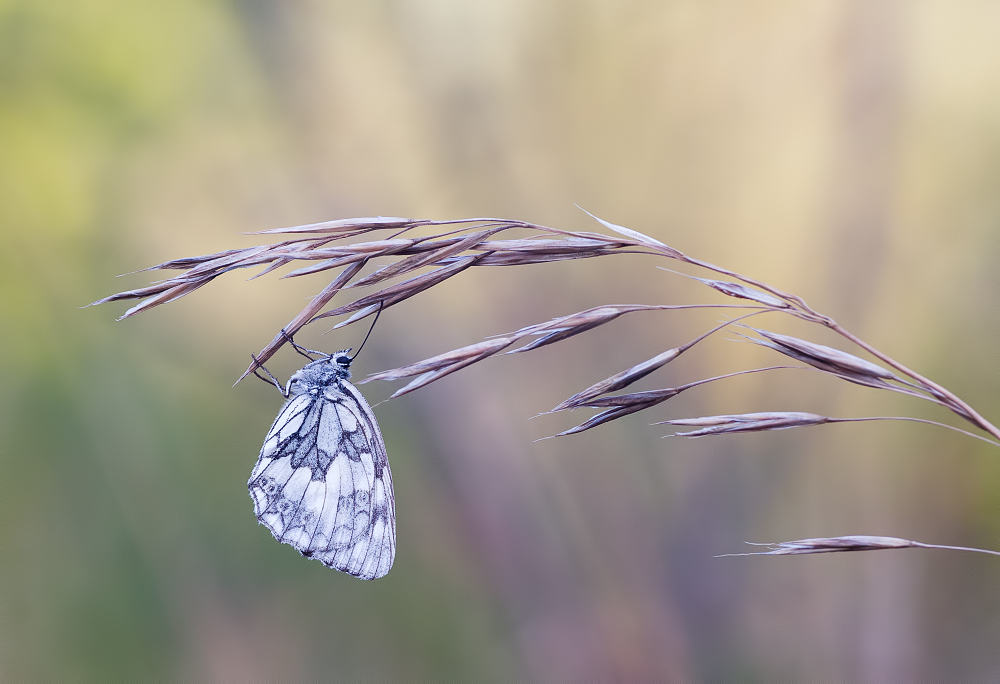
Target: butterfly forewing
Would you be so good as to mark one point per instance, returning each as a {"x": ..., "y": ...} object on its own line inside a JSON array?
[{"x": 322, "y": 482}]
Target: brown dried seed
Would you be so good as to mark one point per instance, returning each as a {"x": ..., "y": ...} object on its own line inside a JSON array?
[
  {"x": 569, "y": 320},
  {"x": 406, "y": 289},
  {"x": 847, "y": 543},
  {"x": 369, "y": 249},
  {"x": 475, "y": 352},
  {"x": 746, "y": 422},
  {"x": 548, "y": 246},
  {"x": 190, "y": 262},
  {"x": 840, "y": 372},
  {"x": 325, "y": 265},
  {"x": 642, "y": 399},
  {"x": 424, "y": 257},
  {"x": 622, "y": 405},
  {"x": 860, "y": 542},
  {"x": 343, "y": 225},
  {"x": 168, "y": 295},
  {"x": 568, "y": 326},
  {"x": 601, "y": 418},
  {"x": 847, "y": 363},
  {"x": 633, "y": 234},
  {"x": 620, "y": 380},
  {"x": 297, "y": 251},
  {"x": 525, "y": 258},
  {"x": 236, "y": 260},
  {"x": 136, "y": 294},
  {"x": 432, "y": 376},
  {"x": 743, "y": 292},
  {"x": 358, "y": 315}
]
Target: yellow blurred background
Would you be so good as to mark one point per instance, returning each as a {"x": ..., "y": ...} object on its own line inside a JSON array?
[{"x": 845, "y": 151}]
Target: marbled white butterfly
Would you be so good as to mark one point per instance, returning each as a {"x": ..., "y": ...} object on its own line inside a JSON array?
[{"x": 322, "y": 482}]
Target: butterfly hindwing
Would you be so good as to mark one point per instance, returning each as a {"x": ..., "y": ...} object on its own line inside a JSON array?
[{"x": 322, "y": 483}]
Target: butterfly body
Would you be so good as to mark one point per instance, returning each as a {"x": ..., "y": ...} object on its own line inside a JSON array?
[{"x": 322, "y": 483}]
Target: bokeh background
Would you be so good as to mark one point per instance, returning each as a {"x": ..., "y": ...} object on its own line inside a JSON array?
[{"x": 845, "y": 151}]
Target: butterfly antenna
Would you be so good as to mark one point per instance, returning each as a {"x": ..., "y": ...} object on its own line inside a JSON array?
[{"x": 377, "y": 314}]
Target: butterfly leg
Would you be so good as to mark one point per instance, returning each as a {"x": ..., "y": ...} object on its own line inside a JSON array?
[
  {"x": 299, "y": 348},
  {"x": 273, "y": 380}
]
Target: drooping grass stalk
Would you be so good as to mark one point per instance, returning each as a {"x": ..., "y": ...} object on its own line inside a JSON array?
[{"x": 415, "y": 262}]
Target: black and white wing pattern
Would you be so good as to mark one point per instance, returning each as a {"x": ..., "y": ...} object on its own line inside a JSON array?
[{"x": 322, "y": 482}]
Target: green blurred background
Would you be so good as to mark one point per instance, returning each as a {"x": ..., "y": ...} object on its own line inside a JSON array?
[{"x": 845, "y": 151}]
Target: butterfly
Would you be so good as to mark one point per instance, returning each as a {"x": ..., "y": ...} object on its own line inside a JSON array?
[{"x": 322, "y": 482}]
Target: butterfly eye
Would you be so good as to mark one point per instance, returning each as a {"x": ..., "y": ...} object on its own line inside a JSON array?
[{"x": 343, "y": 360}]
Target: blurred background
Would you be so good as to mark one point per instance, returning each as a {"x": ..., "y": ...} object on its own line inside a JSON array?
[{"x": 845, "y": 151}]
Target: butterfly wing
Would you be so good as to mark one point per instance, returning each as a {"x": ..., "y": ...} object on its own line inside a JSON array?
[{"x": 322, "y": 483}]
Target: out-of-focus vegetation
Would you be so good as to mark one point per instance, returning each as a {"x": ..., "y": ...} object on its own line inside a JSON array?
[{"x": 847, "y": 152}]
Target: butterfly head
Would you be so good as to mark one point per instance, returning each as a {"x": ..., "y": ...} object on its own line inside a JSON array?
[
  {"x": 336, "y": 364},
  {"x": 342, "y": 358},
  {"x": 321, "y": 373}
]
